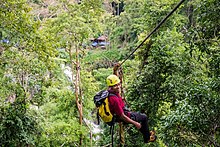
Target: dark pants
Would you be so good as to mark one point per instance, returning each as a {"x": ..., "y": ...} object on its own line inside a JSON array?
[{"x": 143, "y": 120}]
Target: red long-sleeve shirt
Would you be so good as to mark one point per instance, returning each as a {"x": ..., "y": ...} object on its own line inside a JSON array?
[{"x": 116, "y": 104}]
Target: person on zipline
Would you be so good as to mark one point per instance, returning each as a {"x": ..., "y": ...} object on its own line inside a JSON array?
[{"x": 117, "y": 107}]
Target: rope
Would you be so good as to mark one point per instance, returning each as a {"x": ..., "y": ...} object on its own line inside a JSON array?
[
  {"x": 117, "y": 70},
  {"x": 154, "y": 30}
]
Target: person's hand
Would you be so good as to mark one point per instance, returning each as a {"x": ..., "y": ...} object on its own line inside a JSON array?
[{"x": 138, "y": 125}]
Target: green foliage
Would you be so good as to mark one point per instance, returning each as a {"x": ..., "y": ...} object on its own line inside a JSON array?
[
  {"x": 173, "y": 78},
  {"x": 204, "y": 35},
  {"x": 101, "y": 75},
  {"x": 195, "y": 117},
  {"x": 74, "y": 23},
  {"x": 180, "y": 74},
  {"x": 59, "y": 125},
  {"x": 96, "y": 59},
  {"x": 24, "y": 65},
  {"x": 140, "y": 16},
  {"x": 59, "y": 119},
  {"x": 89, "y": 88},
  {"x": 71, "y": 28},
  {"x": 18, "y": 126}
]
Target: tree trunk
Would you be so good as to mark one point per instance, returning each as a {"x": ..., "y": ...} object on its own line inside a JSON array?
[
  {"x": 78, "y": 92},
  {"x": 75, "y": 67}
]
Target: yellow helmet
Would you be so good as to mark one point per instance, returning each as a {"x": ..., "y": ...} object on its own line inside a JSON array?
[{"x": 112, "y": 80}]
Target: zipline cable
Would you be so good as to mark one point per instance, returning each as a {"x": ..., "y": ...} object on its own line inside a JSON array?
[{"x": 154, "y": 30}]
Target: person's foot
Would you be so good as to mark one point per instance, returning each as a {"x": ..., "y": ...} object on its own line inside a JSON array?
[{"x": 153, "y": 137}]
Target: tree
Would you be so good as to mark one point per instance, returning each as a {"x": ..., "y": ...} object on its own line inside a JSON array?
[
  {"x": 71, "y": 28},
  {"x": 24, "y": 65}
]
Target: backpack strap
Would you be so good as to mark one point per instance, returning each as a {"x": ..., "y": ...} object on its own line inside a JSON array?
[
  {"x": 98, "y": 119},
  {"x": 112, "y": 94},
  {"x": 112, "y": 133},
  {"x": 112, "y": 127}
]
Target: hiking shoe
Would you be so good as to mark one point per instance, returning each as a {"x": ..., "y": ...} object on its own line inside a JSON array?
[{"x": 153, "y": 137}]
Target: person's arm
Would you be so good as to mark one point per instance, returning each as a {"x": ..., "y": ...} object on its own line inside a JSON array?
[{"x": 128, "y": 120}]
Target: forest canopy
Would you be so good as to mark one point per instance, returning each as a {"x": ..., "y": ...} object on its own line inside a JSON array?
[{"x": 56, "y": 54}]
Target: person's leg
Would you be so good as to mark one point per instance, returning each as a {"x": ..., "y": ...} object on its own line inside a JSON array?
[{"x": 142, "y": 118}]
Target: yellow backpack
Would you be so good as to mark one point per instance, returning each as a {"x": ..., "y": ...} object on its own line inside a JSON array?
[{"x": 102, "y": 104}]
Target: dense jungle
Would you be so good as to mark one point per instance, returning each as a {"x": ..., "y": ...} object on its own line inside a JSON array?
[{"x": 55, "y": 56}]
